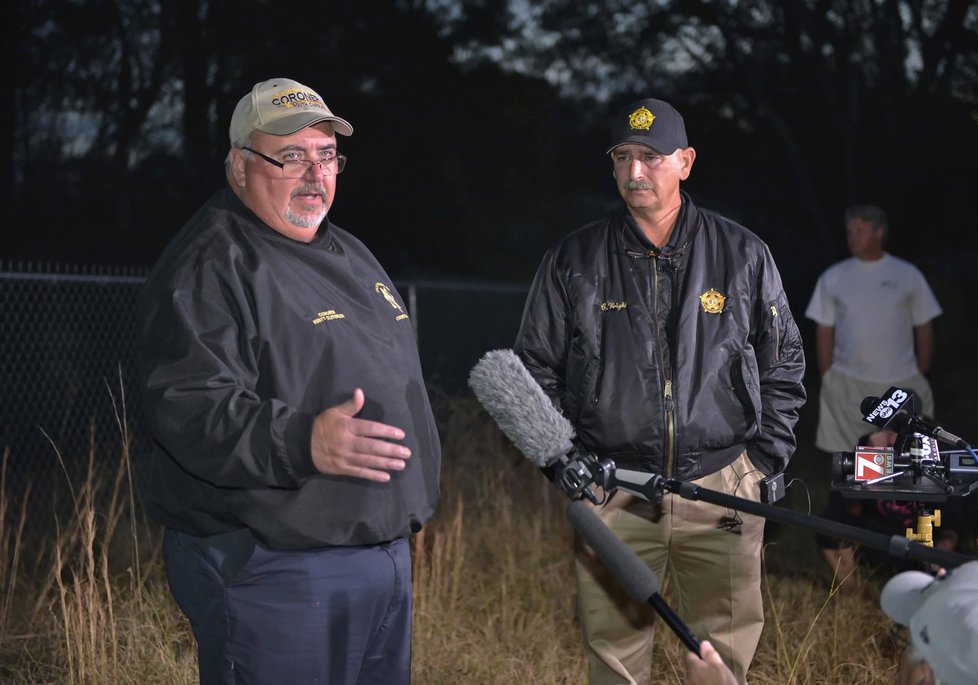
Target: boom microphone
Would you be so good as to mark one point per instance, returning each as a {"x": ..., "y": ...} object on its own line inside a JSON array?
[
  {"x": 520, "y": 408},
  {"x": 888, "y": 412},
  {"x": 526, "y": 416},
  {"x": 638, "y": 580}
]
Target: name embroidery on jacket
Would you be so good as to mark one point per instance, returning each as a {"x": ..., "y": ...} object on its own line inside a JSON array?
[{"x": 328, "y": 315}]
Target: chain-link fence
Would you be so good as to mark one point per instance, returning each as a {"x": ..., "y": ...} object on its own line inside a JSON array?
[{"x": 67, "y": 378}]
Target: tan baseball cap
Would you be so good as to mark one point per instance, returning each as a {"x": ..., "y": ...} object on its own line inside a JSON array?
[{"x": 281, "y": 106}]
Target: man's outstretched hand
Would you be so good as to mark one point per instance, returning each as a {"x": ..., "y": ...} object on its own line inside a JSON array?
[{"x": 343, "y": 445}]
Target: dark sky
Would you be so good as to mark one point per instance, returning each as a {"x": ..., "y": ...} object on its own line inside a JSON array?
[
  {"x": 465, "y": 169},
  {"x": 114, "y": 127}
]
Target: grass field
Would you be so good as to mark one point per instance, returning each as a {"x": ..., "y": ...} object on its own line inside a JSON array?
[{"x": 494, "y": 593}]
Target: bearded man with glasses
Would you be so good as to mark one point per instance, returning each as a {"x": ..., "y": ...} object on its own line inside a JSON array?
[{"x": 295, "y": 447}]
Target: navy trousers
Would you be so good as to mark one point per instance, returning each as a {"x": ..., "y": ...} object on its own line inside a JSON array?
[{"x": 337, "y": 615}]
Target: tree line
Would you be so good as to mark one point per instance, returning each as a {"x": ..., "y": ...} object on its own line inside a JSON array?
[{"x": 480, "y": 126}]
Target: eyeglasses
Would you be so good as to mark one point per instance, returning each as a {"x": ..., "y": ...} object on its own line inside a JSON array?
[{"x": 331, "y": 164}]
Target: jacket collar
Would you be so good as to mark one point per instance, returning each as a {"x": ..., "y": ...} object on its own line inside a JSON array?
[{"x": 636, "y": 245}]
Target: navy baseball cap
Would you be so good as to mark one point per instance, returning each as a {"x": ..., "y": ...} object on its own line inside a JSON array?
[{"x": 653, "y": 123}]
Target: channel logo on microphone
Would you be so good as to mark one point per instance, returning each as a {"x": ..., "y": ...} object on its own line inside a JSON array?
[{"x": 873, "y": 462}]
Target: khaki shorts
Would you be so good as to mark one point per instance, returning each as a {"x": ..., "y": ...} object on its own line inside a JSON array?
[{"x": 840, "y": 423}]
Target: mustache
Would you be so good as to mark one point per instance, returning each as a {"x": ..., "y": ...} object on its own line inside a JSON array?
[
  {"x": 310, "y": 189},
  {"x": 638, "y": 185}
]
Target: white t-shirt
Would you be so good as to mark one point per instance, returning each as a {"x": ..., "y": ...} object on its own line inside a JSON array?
[{"x": 873, "y": 307}]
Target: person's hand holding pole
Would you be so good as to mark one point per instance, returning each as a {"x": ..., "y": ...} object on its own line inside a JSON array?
[{"x": 708, "y": 669}]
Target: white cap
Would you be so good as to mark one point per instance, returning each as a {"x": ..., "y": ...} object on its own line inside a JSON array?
[
  {"x": 281, "y": 106},
  {"x": 942, "y": 617}
]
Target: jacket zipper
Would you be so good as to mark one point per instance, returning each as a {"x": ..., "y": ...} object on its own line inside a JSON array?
[
  {"x": 667, "y": 372},
  {"x": 777, "y": 334},
  {"x": 670, "y": 428}
]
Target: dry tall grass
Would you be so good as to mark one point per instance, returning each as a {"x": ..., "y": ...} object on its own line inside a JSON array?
[{"x": 494, "y": 591}]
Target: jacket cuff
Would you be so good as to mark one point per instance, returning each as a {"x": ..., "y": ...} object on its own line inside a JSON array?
[{"x": 298, "y": 445}]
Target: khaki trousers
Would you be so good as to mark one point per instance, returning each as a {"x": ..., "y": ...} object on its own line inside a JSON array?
[{"x": 712, "y": 559}]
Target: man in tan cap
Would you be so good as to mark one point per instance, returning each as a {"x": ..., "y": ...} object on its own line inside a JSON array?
[{"x": 295, "y": 448}]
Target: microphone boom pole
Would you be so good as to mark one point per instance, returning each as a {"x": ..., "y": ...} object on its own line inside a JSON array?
[{"x": 651, "y": 487}]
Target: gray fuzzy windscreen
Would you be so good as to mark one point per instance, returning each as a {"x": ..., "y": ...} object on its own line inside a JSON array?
[{"x": 520, "y": 408}]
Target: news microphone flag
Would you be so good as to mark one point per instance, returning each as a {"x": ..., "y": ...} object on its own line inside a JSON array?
[{"x": 890, "y": 411}]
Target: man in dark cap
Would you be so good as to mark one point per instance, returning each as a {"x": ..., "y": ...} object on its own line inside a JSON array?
[
  {"x": 663, "y": 333},
  {"x": 295, "y": 448}
]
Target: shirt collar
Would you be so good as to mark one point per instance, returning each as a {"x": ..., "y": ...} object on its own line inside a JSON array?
[{"x": 678, "y": 237}]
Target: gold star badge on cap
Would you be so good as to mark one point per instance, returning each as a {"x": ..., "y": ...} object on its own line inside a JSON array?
[{"x": 641, "y": 119}]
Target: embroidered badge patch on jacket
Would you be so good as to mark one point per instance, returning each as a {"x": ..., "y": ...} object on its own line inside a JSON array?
[
  {"x": 712, "y": 301},
  {"x": 384, "y": 290}
]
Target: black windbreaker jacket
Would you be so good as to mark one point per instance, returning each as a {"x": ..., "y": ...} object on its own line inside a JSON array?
[
  {"x": 244, "y": 337},
  {"x": 669, "y": 365}
]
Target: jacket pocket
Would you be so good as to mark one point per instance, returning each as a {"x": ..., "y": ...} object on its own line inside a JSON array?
[
  {"x": 778, "y": 326},
  {"x": 586, "y": 394},
  {"x": 747, "y": 387}
]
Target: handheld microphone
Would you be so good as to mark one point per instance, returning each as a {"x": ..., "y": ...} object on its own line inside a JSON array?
[
  {"x": 638, "y": 580},
  {"x": 889, "y": 411},
  {"x": 526, "y": 416}
]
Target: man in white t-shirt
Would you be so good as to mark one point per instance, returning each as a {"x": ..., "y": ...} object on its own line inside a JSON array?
[
  {"x": 874, "y": 330},
  {"x": 873, "y": 315}
]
